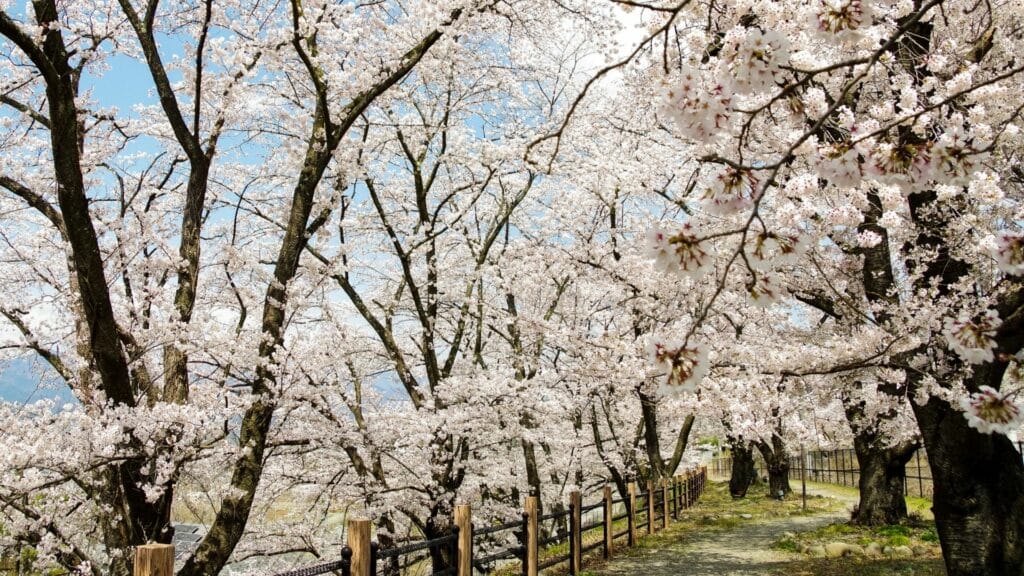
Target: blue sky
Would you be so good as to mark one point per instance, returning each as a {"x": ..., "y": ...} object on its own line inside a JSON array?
[
  {"x": 125, "y": 85},
  {"x": 20, "y": 382}
]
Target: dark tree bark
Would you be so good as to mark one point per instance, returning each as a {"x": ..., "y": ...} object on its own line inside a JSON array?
[
  {"x": 882, "y": 478},
  {"x": 776, "y": 460},
  {"x": 744, "y": 474},
  {"x": 978, "y": 482},
  {"x": 978, "y": 479}
]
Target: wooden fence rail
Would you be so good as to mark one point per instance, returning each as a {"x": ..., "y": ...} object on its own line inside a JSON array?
[{"x": 360, "y": 557}]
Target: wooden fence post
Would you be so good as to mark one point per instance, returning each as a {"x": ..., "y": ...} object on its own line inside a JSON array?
[
  {"x": 650, "y": 507},
  {"x": 671, "y": 495},
  {"x": 664, "y": 503},
  {"x": 532, "y": 505},
  {"x": 359, "y": 542},
  {"x": 575, "y": 534},
  {"x": 464, "y": 521},
  {"x": 631, "y": 489},
  {"x": 154, "y": 560},
  {"x": 675, "y": 495},
  {"x": 609, "y": 527}
]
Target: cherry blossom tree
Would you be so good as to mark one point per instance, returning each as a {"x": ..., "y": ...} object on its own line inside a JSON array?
[
  {"x": 796, "y": 116},
  {"x": 167, "y": 260}
]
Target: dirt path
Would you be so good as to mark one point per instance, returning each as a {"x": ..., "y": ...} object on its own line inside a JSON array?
[{"x": 743, "y": 550}]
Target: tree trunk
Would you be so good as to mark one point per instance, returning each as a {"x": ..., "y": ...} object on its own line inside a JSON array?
[
  {"x": 743, "y": 472},
  {"x": 444, "y": 557},
  {"x": 882, "y": 478},
  {"x": 777, "y": 462},
  {"x": 652, "y": 444},
  {"x": 978, "y": 479},
  {"x": 978, "y": 482},
  {"x": 882, "y": 468}
]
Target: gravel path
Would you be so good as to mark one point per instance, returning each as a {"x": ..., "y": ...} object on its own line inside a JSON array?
[{"x": 740, "y": 551}]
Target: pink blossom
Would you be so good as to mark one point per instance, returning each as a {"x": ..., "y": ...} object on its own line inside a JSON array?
[
  {"x": 682, "y": 253},
  {"x": 730, "y": 192},
  {"x": 839, "y": 16},
  {"x": 682, "y": 365},
  {"x": 990, "y": 411},
  {"x": 973, "y": 340},
  {"x": 1009, "y": 253},
  {"x": 765, "y": 290}
]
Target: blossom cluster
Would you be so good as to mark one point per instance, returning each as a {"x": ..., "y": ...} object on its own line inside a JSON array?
[
  {"x": 990, "y": 411},
  {"x": 682, "y": 253},
  {"x": 682, "y": 365},
  {"x": 973, "y": 339}
]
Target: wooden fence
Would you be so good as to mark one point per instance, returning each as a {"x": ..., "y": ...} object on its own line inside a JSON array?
[{"x": 485, "y": 549}]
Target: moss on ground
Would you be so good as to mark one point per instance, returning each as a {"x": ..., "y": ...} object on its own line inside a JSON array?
[
  {"x": 917, "y": 534},
  {"x": 863, "y": 567},
  {"x": 716, "y": 511}
]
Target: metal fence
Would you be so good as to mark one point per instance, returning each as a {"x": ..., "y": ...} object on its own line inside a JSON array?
[{"x": 840, "y": 467}]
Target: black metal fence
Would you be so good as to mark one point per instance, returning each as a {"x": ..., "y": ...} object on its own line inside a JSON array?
[
  {"x": 840, "y": 467},
  {"x": 491, "y": 545},
  {"x": 342, "y": 566},
  {"x": 415, "y": 557}
]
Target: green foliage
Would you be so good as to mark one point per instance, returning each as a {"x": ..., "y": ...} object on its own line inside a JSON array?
[
  {"x": 893, "y": 530},
  {"x": 930, "y": 535},
  {"x": 863, "y": 567},
  {"x": 898, "y": 541},
  {"x": 833, "y": 530},
  {"x": 786, "y": 545}
]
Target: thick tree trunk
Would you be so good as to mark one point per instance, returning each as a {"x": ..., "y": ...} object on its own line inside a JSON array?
[
  {"x": 978, "y": 479},
  {"x": 778, "y": 475},
  {"x": 743, "y": 472},
  {"x": 776, "y": 460},
  {"x": 978, "y": 482},
  {"x": 882, "y": 478},
  {"x": 882, "y": 467}
]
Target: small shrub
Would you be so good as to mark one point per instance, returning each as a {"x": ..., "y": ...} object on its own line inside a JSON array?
[
  {"x": 893, "y": 530},
  {"x": 786, "y": 545},
  {"x": 898, "y": 541},
  {"x": 837, "y": 530},
  {"x": 930, "y": 535}
]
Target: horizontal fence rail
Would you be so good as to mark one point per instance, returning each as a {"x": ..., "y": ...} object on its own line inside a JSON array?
[
  {"x": 840, "y": 467},
  {"x": 565, "y": 537}
]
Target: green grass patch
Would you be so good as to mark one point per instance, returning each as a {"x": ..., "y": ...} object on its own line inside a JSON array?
[{"x": 862, "y": 567}]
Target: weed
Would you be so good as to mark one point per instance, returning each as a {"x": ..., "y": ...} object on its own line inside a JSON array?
[
  {"x": 786, "y": 545},
  {"x": 892, "y": 530}
]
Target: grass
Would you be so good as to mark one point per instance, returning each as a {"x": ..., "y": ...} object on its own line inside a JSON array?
[
  {"x": 863, "y": 567},
  {"x": 921, "y": 507},
  {"x": 914, "y": 533},
  {"x": 716, "y": 511},
  {"x": 918, "y": 533}
]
